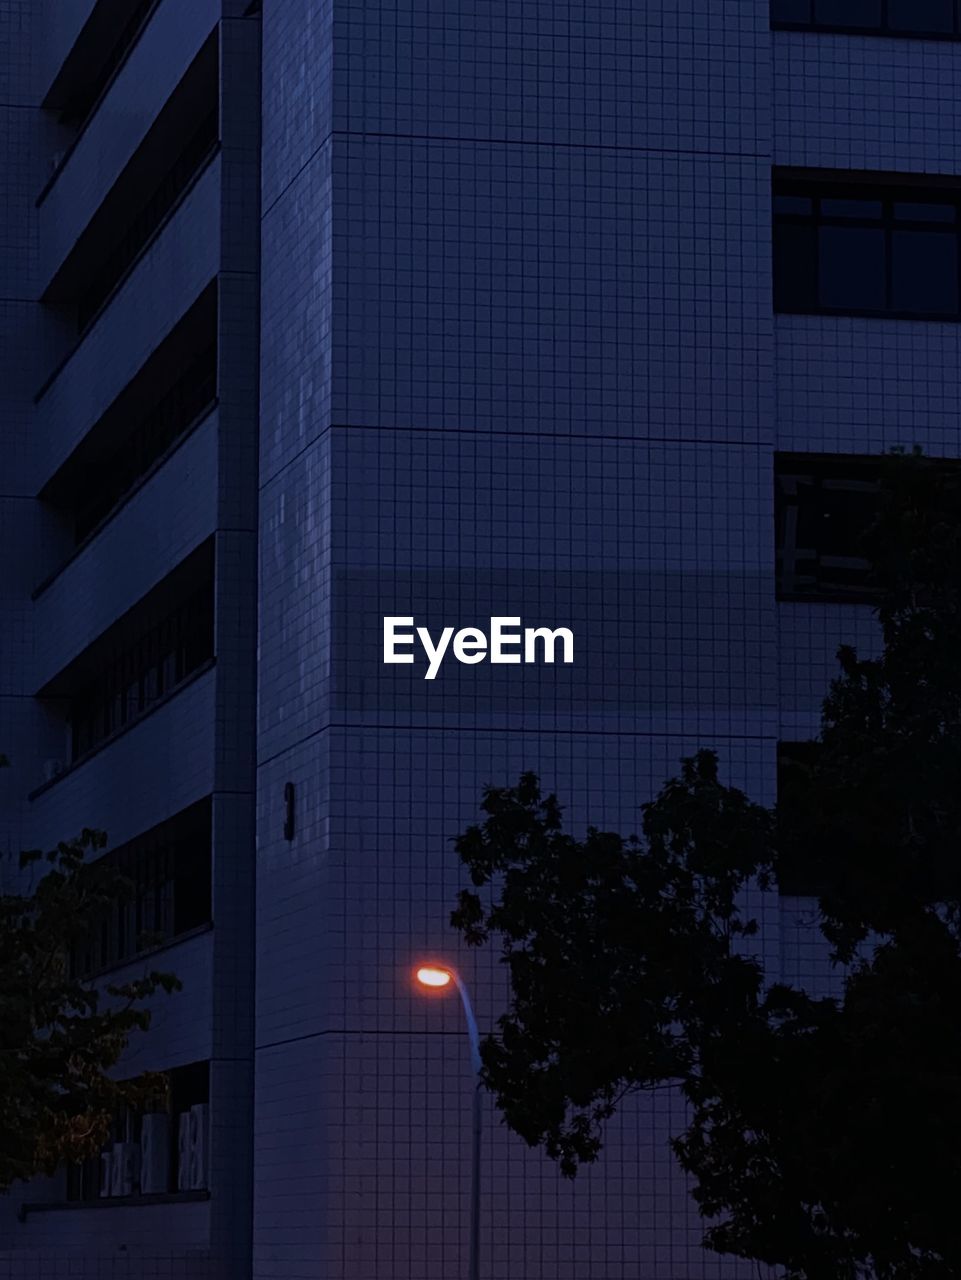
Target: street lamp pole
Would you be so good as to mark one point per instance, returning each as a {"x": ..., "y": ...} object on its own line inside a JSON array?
[
  {"x": 475, "y": 1060},
  {"x": 432, "y": 976}
]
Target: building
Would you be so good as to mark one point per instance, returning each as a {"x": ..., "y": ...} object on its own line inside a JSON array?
[
  {"x": 322, "y": 311},
  {"x": 130, "y": 338}
]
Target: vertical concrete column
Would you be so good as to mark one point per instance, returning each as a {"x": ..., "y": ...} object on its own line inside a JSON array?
[{"x": 236, "y": 639}]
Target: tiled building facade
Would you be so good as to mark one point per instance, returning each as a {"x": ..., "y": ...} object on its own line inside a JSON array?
[
  {"x": 508, "y": 268},
  {"x": 130, "y": 339}
]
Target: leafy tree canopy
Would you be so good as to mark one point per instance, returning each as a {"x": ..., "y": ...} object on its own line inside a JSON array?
[
  {"x": 62, "y": 1035},
  {"x": 824, "y": 1134}
]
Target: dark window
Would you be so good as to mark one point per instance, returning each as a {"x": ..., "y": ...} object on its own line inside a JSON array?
[
  {"x": 189, "y": 397},
  {"x": 170, "y": 392},
  {"x": 144, "y": 672},
  {"x": 168, "y": 870},
  {"x": 845, "y": 248},
  {"x": 938, "y": 19},
  {"x": 84, "y": 98},
  {"x": 138, "y": 232},
  {"x": 851, "y": 268},
  {"x": 794, "y": 12},
  {"x": 161, "y": 1149},
  {"x": 795, "y": 247},
  {"x": 924, "y": 272},
  {"x": 795, "y": 761},
  {"x": 824, "y": 507},
  {"x": 851, "y": 13}
]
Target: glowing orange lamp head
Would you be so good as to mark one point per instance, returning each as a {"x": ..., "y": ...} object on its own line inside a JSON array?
[
  {"x": 437, "y": 977},
  {"x": 433, "y": 976}
]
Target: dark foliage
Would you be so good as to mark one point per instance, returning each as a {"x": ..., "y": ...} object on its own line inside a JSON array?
[
  {"x": 824, "y": 1134},
  {"x": 61, "y": 1036}
]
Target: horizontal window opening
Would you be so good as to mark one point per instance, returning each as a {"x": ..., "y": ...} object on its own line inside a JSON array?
[
  {"x": 168, "y": 870},
  {"x": 845, "y": 247},
  {"x": 85, "y": 95},
  {"x": 140, "y": 676},
  {"x": 192, "y": 394},
  {"x": 54, "y": 771},
  {"x": 172, "y": 390},
  {"x": 139, "y": 660},
  {"x": 161, "y": 1149},
  {"x": 171, "y": 187},
  {"x": 175, "y": 151},
  {"x": 925, "y": 19}
]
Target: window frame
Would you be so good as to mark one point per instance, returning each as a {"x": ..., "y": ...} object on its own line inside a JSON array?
[
  {"x": 884, "y": 29},
  {"x": 142, "y": 229},
  {"x": 889, "y": 193},
  {"x": 170, "y": 869},
  {"x": 173, "y": 648},
  {"x": 185, "y": 403},
  {"x": 830, "y": 468}
]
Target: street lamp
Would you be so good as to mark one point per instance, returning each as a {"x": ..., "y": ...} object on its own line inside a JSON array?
[{"x": 436, "y": 978}]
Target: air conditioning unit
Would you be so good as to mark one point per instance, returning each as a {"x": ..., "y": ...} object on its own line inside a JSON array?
[
  {"x": 183, "y": 1151},
  {"x": 124, "y": 1168},
  {"x": 106, "y": 1175},
  {"x": 199, "y": 1124},
  {"x": 155, "y": 1153}
]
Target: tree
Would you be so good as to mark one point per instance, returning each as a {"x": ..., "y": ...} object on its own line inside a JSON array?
[
  {"x": 824, "y": 1135},
  {"x": 61, "y": 1033}
]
